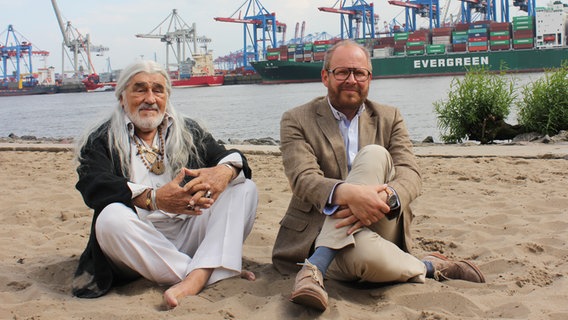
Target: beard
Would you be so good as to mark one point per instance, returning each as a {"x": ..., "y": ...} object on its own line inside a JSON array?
[
  {"x": 145, "y": 123},
  {"x": 347, "y": 96}
]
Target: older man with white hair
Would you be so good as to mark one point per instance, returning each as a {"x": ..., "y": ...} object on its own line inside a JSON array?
[{"x": 170, "y": 203}]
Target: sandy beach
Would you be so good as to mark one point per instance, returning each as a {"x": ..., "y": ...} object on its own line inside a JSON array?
[{"x": 504, "y": 207}]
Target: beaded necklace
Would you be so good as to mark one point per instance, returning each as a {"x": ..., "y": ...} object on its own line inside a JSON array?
[{"x": 152, "y": 157}]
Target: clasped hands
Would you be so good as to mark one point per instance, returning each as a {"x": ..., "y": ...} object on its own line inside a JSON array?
[
  {"x": 360, "y": 205},
  {"x": 199, "y": 193}
]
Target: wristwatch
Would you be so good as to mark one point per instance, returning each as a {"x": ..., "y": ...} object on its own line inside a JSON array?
[{"x": 392, "y": 202}]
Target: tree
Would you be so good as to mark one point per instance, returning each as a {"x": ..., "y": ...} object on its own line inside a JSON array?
[
  {"x": 476, "y": 108},
  {"x": 544, "y": 107}
]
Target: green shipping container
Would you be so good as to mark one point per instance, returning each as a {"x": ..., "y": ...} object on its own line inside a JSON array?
[
  {"x": 523, "y": 41},
  {"x": 499, "y": 42},
  {"x": 401, "y": 36},
  {"x": 523, "y": 27},
  {"x": 522, "y": 19},
  {"x": 414, "y": 52},
  {"x": 499, "y": 33}
]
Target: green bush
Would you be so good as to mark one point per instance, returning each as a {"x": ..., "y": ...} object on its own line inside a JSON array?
[
  {"x": 476, "y": 108},
  {"x": 544, "y": 107}
]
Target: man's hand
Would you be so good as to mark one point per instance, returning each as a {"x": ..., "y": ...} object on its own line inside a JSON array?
[
  {"x": 361, "y": 205},
  {"x": 187, "y": 199},
  {"x": 216, "y": 178}
]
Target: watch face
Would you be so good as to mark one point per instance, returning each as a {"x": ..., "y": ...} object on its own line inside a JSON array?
[{"x": 391, "y": 201}]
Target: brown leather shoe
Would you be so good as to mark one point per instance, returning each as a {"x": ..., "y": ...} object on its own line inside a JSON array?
[
  {"x": 308, "y": 287},
  {"x": 446, "y": 269}
]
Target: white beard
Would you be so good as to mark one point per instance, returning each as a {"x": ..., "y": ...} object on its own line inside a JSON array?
[{"x": 145, "y": 123}]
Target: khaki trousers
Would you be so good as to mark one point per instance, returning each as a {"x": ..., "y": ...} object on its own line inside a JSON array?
[{"x": 371, "y": 254}]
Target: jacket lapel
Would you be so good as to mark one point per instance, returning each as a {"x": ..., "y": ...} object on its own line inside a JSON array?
[
  {"x": 328, "y": 125},
  {"x": 367, "y": 126}
]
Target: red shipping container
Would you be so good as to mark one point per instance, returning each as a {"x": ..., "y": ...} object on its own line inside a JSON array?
[
  {"x": 495, "y": 38},
  {"x": 412, "y": 48},
  {"x": 499, "y": 26},
  {"x": 386, "y": 40},
  {"x": 476, "y": 39},
  {"x": 477, "y": 48},
  {"x": 523, "y": 46},
  {"x": 459, "y": 47},
  {"x": 522, "y": 34},
  {"x": 461, "y": 27},
  {"x": 500, "y": 47},
  {"x": 444, "y": 31}
]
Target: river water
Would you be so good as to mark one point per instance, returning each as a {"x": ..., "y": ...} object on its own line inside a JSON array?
[{"x": 229, "y": 112}]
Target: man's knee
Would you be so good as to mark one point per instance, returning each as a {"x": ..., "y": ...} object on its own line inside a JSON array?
[
  {"x": 374, "y": 151},
  {"x": 113, "y": 219}
]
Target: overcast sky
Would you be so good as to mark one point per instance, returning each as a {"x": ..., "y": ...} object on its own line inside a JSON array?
[{"x": 114, "y": 23}]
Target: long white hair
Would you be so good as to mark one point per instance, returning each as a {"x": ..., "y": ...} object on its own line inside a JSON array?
[{"x": 179, "y": 143}]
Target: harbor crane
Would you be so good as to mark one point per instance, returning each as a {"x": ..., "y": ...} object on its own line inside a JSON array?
[
  {"x": 485, "y": 8},
  {"x": 528, "y": 6},
  {"x": 180, "y": 38},
  {"x": 21, "y": 52},
  {"x": 359, "y": 13},
  {"x": 488, "y": 9},
  {"x": 79, "y": 47},
  {"x": 423, "y": 8},
  {"x": 257, "y": 17}
]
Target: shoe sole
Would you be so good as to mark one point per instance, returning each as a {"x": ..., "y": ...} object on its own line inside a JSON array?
[
  {"x": 469, "y": 263},
  {"x": 310, "y": 300}
]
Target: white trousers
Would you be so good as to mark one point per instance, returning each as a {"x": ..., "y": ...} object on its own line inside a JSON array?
[
  {"x": 371, "y": 254},
  {"x": 165, "y": 251}
]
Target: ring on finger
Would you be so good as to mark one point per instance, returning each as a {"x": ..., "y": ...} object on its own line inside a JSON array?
[
  {"x": 190, "y": 206},
  {"x": 208, "y": 194}
]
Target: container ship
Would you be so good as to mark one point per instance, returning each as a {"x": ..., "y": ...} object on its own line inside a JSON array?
[{"x": 527, "y": 44}]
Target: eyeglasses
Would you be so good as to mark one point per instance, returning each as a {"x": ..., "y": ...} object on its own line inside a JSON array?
[{"x": 341, "y": 74}]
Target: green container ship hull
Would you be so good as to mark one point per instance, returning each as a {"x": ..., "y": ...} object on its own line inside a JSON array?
[{"x": 447, "y": 64}]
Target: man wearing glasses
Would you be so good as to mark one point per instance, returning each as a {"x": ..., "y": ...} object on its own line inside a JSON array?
[{"x": 353, "y": 175}]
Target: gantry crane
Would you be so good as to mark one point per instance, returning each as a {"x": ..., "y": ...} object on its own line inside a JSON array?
[
  {"x": 358, "y": 14},
  {"x": 181, "y": 39},
  {"x": 257, "y": 17},
  {"x": 21, "y": 52},
  {"x": 528, "y": 6},
  {"x": 485, "y": 8},
  {"x": 78, "y": 45},
  {"x": 424, "y": 8}
]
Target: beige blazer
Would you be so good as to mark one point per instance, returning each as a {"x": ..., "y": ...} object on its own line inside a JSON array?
[{"x": 314, "y": 158}]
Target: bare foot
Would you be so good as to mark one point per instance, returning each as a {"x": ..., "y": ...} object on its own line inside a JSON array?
[
  {"x": 190, "y": 286},
  {"x": 248, "y": 275}
]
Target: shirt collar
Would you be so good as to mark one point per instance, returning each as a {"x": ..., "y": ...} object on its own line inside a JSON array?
[{"x": 339, "y": 115}]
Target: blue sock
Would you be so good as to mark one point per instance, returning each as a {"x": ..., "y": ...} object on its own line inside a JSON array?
[
  {"x": 322, "y": 258},
  {"x": 429, "y": 269}
]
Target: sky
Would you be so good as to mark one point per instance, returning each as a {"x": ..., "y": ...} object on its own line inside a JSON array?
[{"x": 114, "y": 23}]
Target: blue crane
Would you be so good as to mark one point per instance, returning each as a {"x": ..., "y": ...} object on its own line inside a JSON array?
[
  {"x": 21, "y": 52},
  {"x": 257, "y": 17},
  {"x": 422, "y": 8},
  {"x": 528, "y": 6},
  {"x": 354, "y": 15},
  {"x": 487, "y": 9}
]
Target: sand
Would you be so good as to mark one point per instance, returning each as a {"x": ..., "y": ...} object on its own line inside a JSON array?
[{"x": 506, "y": 208}]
